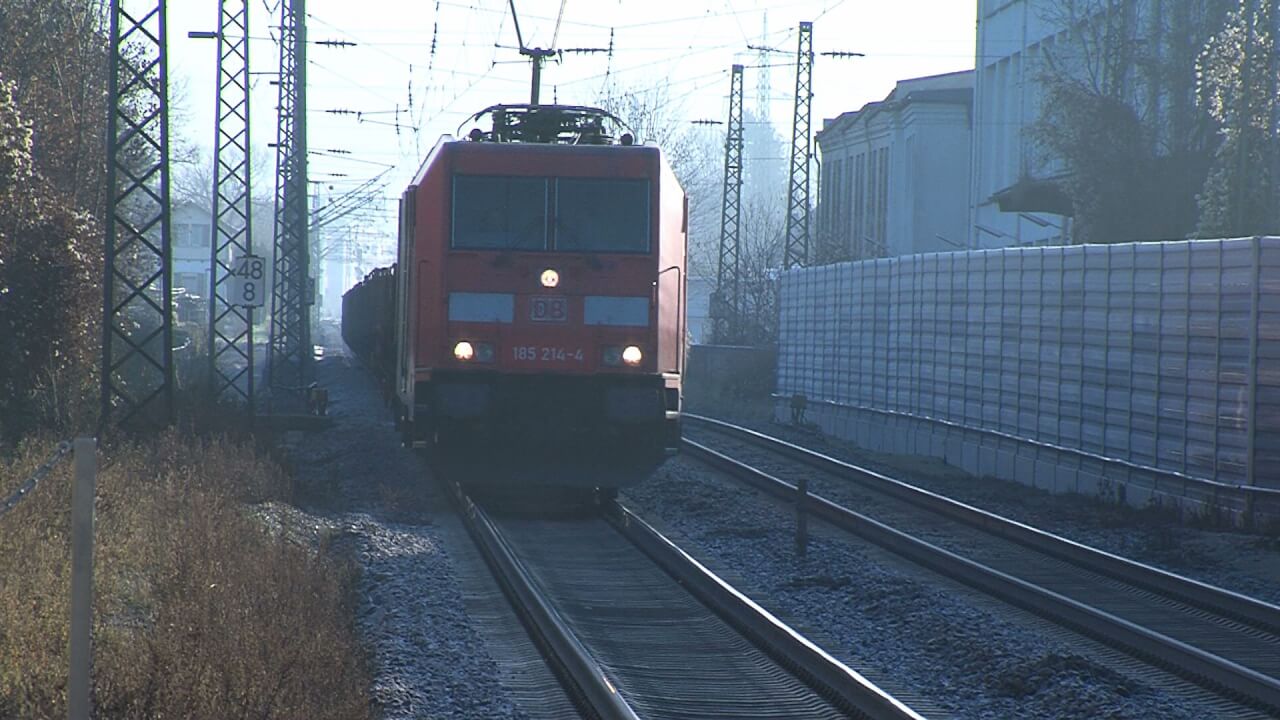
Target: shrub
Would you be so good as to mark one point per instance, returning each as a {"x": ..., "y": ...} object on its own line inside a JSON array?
[{"x": 199, "y": 612}]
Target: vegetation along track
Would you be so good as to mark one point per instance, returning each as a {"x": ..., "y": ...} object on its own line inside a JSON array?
[
  {"x": 1220, "y": 639},
  {"x": 638, "y": 629}
]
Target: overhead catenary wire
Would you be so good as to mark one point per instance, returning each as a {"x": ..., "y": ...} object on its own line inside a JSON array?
[
  {"x": 635, "y": 25},
  {"x": 442, "y": 73}
]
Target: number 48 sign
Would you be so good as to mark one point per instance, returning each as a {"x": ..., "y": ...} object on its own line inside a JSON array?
[{"x": 248, "y": 281}]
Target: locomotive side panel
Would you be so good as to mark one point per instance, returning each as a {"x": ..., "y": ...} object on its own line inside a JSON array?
[
  {"x": 402, "y": 310},
  {"x": 672, "y": 280},
  {"x": 422, "y": 296}
]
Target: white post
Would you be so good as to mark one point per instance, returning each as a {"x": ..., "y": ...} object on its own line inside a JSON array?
[{"x": 82, "y": 496}]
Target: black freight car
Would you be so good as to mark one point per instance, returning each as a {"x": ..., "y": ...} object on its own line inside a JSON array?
[{"x": 368, "y": 324}]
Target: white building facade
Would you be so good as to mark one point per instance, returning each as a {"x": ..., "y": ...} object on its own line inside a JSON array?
[
  {"x": 895, "y": 173},
  {"x": 1012, "y": 183},
  {"x": 192, "y": 228},
  {"x": 192, "y": 237}
]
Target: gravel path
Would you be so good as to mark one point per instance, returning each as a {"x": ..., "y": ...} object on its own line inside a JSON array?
[
  {"x": 1244, "y": 562},
  {"x": 912, "y": 632},
  {"x": 419, "y": 575}
]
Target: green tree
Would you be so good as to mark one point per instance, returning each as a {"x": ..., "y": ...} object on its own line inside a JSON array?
[{"x": 1237, "y": 85}]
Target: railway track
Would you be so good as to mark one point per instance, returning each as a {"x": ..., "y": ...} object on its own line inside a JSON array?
[
  {"x": 637, "y": 629},
  {"x": 1221, "y": 640}
]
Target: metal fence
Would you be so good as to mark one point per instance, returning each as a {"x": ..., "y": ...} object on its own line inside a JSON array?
[{"x": 1162, "y": 355}]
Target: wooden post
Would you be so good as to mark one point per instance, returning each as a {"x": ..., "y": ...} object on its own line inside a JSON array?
[
  {"x": 82, "y": 496},
  {"x": 802, "y": 518}
]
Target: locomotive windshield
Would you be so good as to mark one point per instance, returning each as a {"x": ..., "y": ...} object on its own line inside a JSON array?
[
  {"x": 499, "y": 213},
  {"x": 510, "y": 213},
  {"x": 594, "y": 215}
]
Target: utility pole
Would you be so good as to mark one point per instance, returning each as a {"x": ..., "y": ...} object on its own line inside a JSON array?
[
  {"x": 289, "y": 361},
  {"x": 728, "y": 294},
  {"x": 137, "y": 342},
  {"x": 231, "y": 367},
  {"x": 796, "y": 252}
]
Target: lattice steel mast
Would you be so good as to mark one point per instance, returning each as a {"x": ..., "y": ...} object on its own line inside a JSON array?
[
  {"x": 137, "y": 347},
  {"x": 728, "y": 305},
  {"x": 764, "y": 89},
  {"x": 289, "y": 362},
  {"x": 796, "y": 252},
  {"x": 230, "y": 325}
]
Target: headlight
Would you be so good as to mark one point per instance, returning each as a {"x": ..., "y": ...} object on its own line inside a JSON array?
[
  {"x": 467, "y": 351},
  {"x": 550, "y": 278},
  {"x": 629, "y": 355}
]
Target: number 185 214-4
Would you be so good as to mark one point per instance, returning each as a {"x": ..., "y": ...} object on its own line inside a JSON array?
[{"x": 534, "y": 353}]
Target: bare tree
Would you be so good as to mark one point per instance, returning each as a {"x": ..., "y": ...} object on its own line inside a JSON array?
[
  {"x": 55, "y": 55},
  {"x": 1119, "y": 112},
  {"x": 761, "y": 265},
  {"x": 656, "y": 118},
  {"x": 698, "y": 160},
  {"x": 49, "y": 302}
]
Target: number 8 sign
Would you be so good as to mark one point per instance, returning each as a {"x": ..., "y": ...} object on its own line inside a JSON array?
[{"x": 248, "y": 281}]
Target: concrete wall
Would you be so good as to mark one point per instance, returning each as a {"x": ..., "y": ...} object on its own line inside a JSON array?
[{"x": 1161, "y": 359}]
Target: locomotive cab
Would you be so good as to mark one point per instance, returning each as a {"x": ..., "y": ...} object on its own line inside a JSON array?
[{"x": 542, "y": 303}]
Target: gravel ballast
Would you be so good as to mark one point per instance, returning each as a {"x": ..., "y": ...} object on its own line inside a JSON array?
[
  {"x": 443, "y": 645},
  {"x": 913, "y": 632},
  {"x": 418, "y": 574},
  {"x": 1246, "y": 563}
]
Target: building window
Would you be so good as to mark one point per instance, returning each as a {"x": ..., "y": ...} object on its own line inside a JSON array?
[{"x": 191, "y": 234}]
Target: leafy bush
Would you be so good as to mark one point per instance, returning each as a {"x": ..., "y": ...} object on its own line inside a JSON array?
[{"x": 50, "y": 304}]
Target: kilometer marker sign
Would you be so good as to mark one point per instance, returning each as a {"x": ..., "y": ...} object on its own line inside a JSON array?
[{"x": 248, "y": 281}]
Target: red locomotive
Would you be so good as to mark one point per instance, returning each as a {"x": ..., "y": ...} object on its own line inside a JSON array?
[{"x": 539, "y": 301}]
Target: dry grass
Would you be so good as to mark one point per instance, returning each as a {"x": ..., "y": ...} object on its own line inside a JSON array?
[{"x": 198, "y": 611}]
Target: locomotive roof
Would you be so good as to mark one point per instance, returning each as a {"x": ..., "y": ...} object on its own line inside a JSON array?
[
  {"x": 550, "y": 124},
  {"x": 449, "y": 145}
]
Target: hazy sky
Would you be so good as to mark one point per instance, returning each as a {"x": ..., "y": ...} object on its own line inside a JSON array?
[{"x": 438, "y": 62}]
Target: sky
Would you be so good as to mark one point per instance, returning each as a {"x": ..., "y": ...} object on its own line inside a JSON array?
[{"x": 420, "y": 68}]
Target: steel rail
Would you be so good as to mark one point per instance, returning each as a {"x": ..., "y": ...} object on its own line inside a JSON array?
[
  {"x": 568, "y": 653},
  {"x": 1185, "y": 660},
  {"x": 837, "y": 681},
  {"x": 1193, "y": 592}
]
